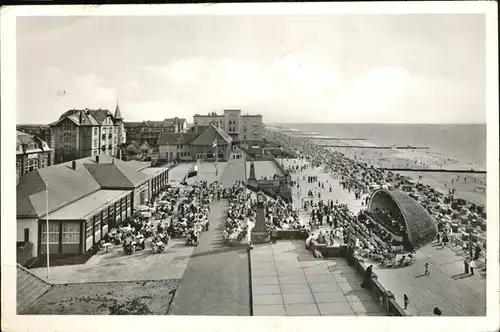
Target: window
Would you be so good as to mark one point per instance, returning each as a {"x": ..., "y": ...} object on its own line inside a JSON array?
[
  {"x": 112, "y": 214},
  {"x": 30, "y": 165},
  {"x": 105, "y": 217},
  {"x": 96, "y": 131},
  {"x": 66, "y": 137},
  {"x": 97, "y": 222},
  {"x": 96, "y": 143},
  {"x": 67, "y": 149},
  {"x": 53, "y": 232},
  {"x": 44, "y": 162},
  {"x": 88, "y": 232},
  {"x": 71, "y": 232},
  {"x": 67, "y": 125},
  {"x": 32, "y": 146},
  {"x": 26, "y": 235}
]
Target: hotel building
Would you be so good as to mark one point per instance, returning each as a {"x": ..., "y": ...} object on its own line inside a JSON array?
[
  {"x": 245, "y": 130},
  {"x": 84, "y": 133}
]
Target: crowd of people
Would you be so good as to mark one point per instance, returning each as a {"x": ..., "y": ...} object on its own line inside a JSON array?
[
  {"x": 176, "y": 212},
  {"x": 362, "y": 179}
]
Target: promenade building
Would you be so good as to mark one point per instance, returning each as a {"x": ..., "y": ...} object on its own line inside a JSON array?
[
  {"x": 195, "y": 144},
  {"x": 150, "y": 131},
  {"x": 86, "y": 198},
  {"x": 245, "y": 130},
  {"x": 84, "y": 133},
  {"x": 31, "y": 153}
]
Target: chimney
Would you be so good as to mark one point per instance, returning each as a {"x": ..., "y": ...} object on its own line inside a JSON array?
[
  {"x": 73, "y": 165},
  {"x": 97, "y": 159}
]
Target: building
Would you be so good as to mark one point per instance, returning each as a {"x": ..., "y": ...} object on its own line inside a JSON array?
[
  {"x": 149, "y": 131},
  {"x": 86, "y": 198},
  {"x": 84, "y": 133},
  {"x": 245, "y": 130},
  {"x": 194, "y": 145},
  {"x": 44, "y": 132},
  {"x": 31, "y": 153}
]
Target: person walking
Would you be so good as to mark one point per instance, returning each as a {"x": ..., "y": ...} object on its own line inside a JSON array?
[
  {"x": 426, "y": 272},
  {"x": 472, "y": 265},
  {"x": 406, "y": 301},
  {"x": 466, "y": 266}
]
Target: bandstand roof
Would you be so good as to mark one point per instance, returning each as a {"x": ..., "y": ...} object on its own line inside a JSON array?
[{"x": 421, "y": 226}]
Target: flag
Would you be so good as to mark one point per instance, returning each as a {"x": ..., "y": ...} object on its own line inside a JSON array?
[
  {"x": 214, "y": 144},
  {"x": 192, "y": 172}
]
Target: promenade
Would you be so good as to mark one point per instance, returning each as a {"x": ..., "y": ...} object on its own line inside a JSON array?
[
  {"x": 286, "y": 278},
  {"x": 447, "y": 287},
  {"x": 215, "y": 281},
  {"x": 289, "y": 281}
]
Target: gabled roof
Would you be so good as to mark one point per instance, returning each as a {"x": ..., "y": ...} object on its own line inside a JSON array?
[
  {"x": 85, "y": 117},
  {"x": 179, "y": 138},
  {"x": 208, "y": 136},
  {"x": 101, "y": 115},
  {"x": 134, "y": 124},
  {"x": 128, "y": 170},
  {"x": 65, "y": 185}
]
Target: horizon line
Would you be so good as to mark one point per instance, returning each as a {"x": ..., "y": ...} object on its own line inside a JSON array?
[{"x": 383, "y": 123}]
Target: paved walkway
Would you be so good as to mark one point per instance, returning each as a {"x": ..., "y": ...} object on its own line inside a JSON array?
[
  {"x": 298, "y": 194},
  {"x": 234, "y": 171},
  {"x": 178, "y": 172},
  {"x": 116, "y": 266},
  {"x": 288, "y": 281},
  {"x": 216, "y": 278},
  {"x": 447, "y": 287},
  {"x": 207, "y": 172},
  {"x": 263, "y": 168}
]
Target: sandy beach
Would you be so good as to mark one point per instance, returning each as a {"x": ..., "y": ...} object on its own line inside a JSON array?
[{"x": 469, "y": 186}]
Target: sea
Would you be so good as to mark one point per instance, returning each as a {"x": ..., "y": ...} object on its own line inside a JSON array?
[{"x": 463, "y": 141}]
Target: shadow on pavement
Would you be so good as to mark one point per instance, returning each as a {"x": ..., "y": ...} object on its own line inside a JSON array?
[{"x": 221, "y": 250}]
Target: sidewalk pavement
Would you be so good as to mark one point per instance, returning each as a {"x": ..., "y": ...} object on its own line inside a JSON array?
[{"x": 288, "y": 281}]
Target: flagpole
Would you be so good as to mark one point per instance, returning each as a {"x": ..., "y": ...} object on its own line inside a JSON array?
[
  {"x": 198, "y": 170},
  {"x": 47, "y": 225}
]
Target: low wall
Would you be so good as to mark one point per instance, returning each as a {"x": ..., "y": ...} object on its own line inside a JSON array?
[
  {"x": 329, "y": 251},
  {"x": 279, "y": 166},
  {"x": 385, "y": 296}
]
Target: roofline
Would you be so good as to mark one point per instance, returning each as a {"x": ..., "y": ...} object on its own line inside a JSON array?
[{"x": 44, "y": 214}]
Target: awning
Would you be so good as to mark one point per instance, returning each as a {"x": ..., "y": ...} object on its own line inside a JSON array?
[{"x": 89, "y": 205}]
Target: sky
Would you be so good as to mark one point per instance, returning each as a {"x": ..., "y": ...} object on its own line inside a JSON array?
[{"x": 427, "y": 68}]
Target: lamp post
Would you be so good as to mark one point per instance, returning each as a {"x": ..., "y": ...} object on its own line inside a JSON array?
[
  {"x": 249, "y": 258},
  {"x": 47, "y": 226}
]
